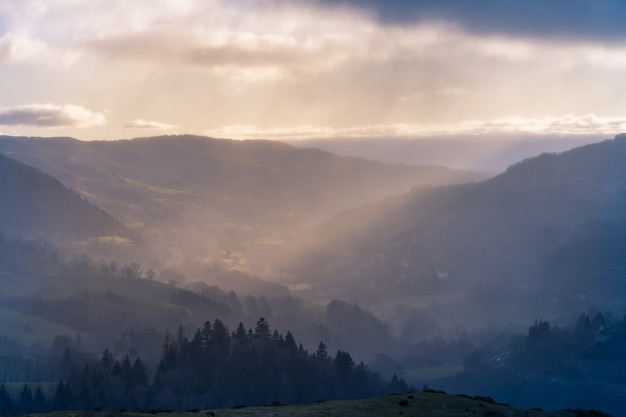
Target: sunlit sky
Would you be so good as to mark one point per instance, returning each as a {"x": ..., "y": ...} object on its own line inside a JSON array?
[{"x": 300, "y": 69}]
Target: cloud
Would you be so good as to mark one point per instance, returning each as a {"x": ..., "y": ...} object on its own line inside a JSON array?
[
  {"x": 282, "y": 52},
  {"x": 255, "y": 51},
  {"x": 391, "y": 66},
  {"x": 452, "y": 91},
  {"x": 22, "y": 49},
  {"x": 50, "y": 115},
  {"x": 145, "y": 124},
  {"x": 577, "y": 19},
  {"x": 297, "y": 46},
  {"x": 563, "y": 125}
]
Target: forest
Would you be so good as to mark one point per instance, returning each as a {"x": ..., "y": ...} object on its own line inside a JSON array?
[
  {"x": 119, "y": 354},
  {"x": 216, "y": 368},
  {"x": 145, "y": 367},
  {"x": 582, "y": 364}
]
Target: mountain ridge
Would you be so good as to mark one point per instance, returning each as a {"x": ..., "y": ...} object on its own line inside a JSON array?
[
  {"x": 226, "y": 196},
  {"x": 34, "y": 204},
  {"x": 502, "y": 230}
]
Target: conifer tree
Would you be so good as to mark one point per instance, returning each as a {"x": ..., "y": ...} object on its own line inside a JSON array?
[
  {"x": 26, "y": 398},
  {"x": 6, "y": 405}
]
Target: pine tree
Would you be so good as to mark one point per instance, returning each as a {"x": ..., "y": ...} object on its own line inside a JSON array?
[
  {"x": 206, "y": 335},
  {"x": 107, "y": 360},
  {"x": 221, "y": 335},
  {"x": 290, "y": 343},
  {"x": 39, "y": 399},
  {"x": 139, "y": 374},
  {"x": 321, "y": 353},
  {"x": 262, "y": 330},
  {"x": 240, "y": 334},
  {"x": 6, "y": 405},
  {"x": 26, "y": 399},
  {"x": 343, "y": 363},
  {"x": 62, "y": 396}
]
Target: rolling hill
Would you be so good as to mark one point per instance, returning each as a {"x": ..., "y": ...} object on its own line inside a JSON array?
[
  {"x": 33, "y": 204},
  {"x": 198, "y": 198}
]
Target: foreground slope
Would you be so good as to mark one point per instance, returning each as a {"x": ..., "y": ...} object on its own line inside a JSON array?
[
  {"x": 550, "y": 227},
  {"x": 427, "y": 403},
  {"x": 196, "y": 197}
]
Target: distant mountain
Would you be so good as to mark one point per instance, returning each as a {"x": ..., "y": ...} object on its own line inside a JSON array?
[
  {"x": 551, "y": 228},
  {"x": 34, "y": 204},
  {"x": 200, "y": 198}
]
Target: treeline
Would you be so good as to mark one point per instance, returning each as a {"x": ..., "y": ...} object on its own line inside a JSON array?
[
  {"x": 110, "y": 304},
  {"x": 559, "y": 351},
  {"x": 582, "y": 365},
  {"x": 16, "y": 247},
  {"x": 216, "y": 368}
]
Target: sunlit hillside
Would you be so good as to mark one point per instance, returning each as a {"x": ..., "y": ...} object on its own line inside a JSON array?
[{"x": 202, "y": 199}]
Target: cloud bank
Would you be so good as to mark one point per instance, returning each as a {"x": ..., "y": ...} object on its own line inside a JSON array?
[
  {"x": 564, "y": 125},
  {"x": 50, "y": 115},
  {"x": 330, "y": 68},
  {"x": 573, "y": 19}
]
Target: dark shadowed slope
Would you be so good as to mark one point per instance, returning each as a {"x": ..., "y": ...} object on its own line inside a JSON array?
[
  {"x": 33, "y": 204},
  {"x": 198, "y": 198},
  {"x": 503, "y": 234},
  {"x": 430, "y": 404}
]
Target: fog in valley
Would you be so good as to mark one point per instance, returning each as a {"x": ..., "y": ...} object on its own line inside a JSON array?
[
  {"x": 241, "y": 213},
  {"x": 460, "y": 281}
]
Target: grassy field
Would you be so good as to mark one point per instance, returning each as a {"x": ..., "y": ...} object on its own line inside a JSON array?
[
  {"x": 410, "y": 404},
  {"x": 423, "y": 375},
  {"x": 30, "y": 329}
]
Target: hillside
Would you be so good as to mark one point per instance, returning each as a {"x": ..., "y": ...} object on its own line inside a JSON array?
[
  {"x": 501, "y": 246},
  {"x": 33, "y": 204},
  {"x": 42, "y": 291},
  {"x": 198, "y": 198},
  {"x": 425, "y": 403}
]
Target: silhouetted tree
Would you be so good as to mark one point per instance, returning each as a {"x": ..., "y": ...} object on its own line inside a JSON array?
[
  {"x": 262, "y": 331},
  {"x": 539, "y": 330},
  {"x": 6, "y": 405},
  {"x": 240, "y": 334},
  {"x": 62, "y": 396},
  {"x": 343, "y": 363},
  {"x": 26, "y": 399},
  {"x": 39, "y": 399},
  {"x": 321, "y": 352}
]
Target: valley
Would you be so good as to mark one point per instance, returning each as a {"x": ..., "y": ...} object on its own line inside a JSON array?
[
  {"x": 414, "y": 270},
  {"x": 198, "y": 199}
]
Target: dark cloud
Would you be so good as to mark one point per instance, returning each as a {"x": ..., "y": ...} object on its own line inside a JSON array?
[
  {"x": 168, "y": 49},
  {"x": 48, "y": 115},
  {"x": 31, "y": 117},
  {"x": 577, "y": 19}
]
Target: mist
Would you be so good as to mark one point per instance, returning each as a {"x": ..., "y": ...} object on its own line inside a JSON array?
[{"x": 487, "y": 152}]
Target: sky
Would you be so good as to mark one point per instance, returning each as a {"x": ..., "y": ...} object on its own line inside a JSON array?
[{"x": 310, "y": 69}]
